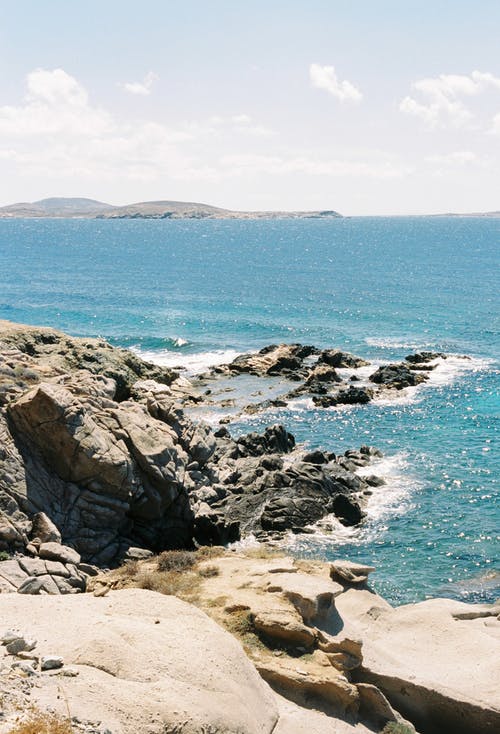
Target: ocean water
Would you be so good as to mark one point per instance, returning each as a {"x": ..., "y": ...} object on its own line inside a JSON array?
[{"x": 196, "y": 293}]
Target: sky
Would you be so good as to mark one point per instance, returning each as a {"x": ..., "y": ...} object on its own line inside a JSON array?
[{"x": 367, "y": 107}]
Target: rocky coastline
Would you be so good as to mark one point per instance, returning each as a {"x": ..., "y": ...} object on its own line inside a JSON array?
[{"x": 104, "y": 465}]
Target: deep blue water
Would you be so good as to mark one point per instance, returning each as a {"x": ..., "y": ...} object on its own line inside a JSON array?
[{"x": 189, "y": 291}]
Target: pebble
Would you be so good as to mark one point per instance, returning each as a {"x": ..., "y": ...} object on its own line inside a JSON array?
[
  {"x": 20, "y": 644},
  {"x": 51, "y": 662}
]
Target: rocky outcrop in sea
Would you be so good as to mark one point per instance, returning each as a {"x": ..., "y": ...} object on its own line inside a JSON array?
[{"x": 100, "y": 445}]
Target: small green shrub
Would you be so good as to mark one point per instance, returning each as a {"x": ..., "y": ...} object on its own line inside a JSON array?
[
  {"x": 4, "y": 556},
  {"x": 394, "y": 727}
]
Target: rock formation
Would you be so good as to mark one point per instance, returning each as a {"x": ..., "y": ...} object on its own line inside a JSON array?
[{"x": 97, "y": 452}]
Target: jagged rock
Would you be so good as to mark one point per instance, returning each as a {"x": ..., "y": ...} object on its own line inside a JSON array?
[
  {"x": 316, "y": 457},
  {"x": 275, "y": 439},
  {"x": 424, "y": 357},
  {"x": 44, "y": 529},
  {"x": 319, "y": 378},
  {"x": 397, "y": 376},
  {"x": 337, "y": 358},
  {"x": 353, "y": 573},
  {"x": 350, "y": 396}
]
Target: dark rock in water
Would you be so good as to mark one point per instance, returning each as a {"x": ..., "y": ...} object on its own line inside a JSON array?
[
  {"x": 351, "y": 396},
  {"x": 316, "y": 457},
  {"x": 337, "y": 358},
  {"x": 397, "y": 376},
  {"x": 347, "y": 510},
  {"x": 275, "y": 439},
  {"x": 318, "y": 380},
  {"x": 374, "y": 481},
  {"x": 420, "y": 357}
]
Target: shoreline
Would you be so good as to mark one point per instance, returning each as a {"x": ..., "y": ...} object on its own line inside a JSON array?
[{"x": 102, "y": 466}]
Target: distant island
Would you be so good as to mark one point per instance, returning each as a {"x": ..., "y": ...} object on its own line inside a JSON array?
[{"x": 78, "y": 208}]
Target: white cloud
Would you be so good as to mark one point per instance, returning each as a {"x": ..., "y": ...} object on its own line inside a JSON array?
[
  {"x": 441, "y": 102},
  {"x": 457, "y": 158},
  {"x": 325, "y": 77},
  {"x": 55, "y": 103},
  {"x": 240, "y": 123},
  {"x": 142, "y": 88},
  {"x": 279, "y": 165}
]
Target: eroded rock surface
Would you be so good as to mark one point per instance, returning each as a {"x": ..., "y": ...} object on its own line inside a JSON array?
[{"x": 98, "y": 455}]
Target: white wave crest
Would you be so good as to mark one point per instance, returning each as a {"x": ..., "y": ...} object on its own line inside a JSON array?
[{"x": 192, "y": 363}]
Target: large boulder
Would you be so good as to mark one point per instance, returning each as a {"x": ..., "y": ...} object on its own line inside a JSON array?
[
  {"x": 106, "y": 473},
  {"x": 140, "y": 659}
]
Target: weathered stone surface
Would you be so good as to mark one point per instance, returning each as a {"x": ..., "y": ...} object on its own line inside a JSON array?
[
  {"x": 283, "y": 359},
  {"x": 12, "y": 572},
  {"x": 144, "y": 657},
  {"x": 44, "y": 529},
  {"x": 311, "y": 596},
  {"x": 284, "y": 627},
  {"x": 322, "y": 683},
  {"x": 57, "y": 552},
  {"x": 350, "y": 572}
]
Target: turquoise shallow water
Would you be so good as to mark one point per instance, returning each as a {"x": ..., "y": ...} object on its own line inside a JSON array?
[{"x": 196, "y": 292}]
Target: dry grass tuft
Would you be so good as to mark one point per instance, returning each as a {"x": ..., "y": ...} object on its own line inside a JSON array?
[
  {"x": 204, "y": 552},
  {"x": 42, "y": 723},
  {"x": 176, "y": 560},
  {"x": 172, "y": 583},
  {"x": 240, "y": 624},
  {"x": 130, "y": 569},
  {"x": 208, "y": 572}
]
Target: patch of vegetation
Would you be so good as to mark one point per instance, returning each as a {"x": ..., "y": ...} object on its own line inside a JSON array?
[
  {"x": 130, "y": 569},
  {"x": 4, "y": 556},
  {"x": 42, "y": 723},
  {"x": 185, "y": 585},
  {"x": 208, "y": 572},
  {"x": 176, "y": 560},
  {"x": 394, "y": 727},
  {"x": 218, "y": 601},
  {"x": 240, "y": 624}
]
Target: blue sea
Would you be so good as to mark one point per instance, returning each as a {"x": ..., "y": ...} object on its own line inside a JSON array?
[{"x": 197, "y": 293}]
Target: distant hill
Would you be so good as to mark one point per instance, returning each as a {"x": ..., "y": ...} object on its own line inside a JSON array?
[{"x": 91, "y": 209}]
